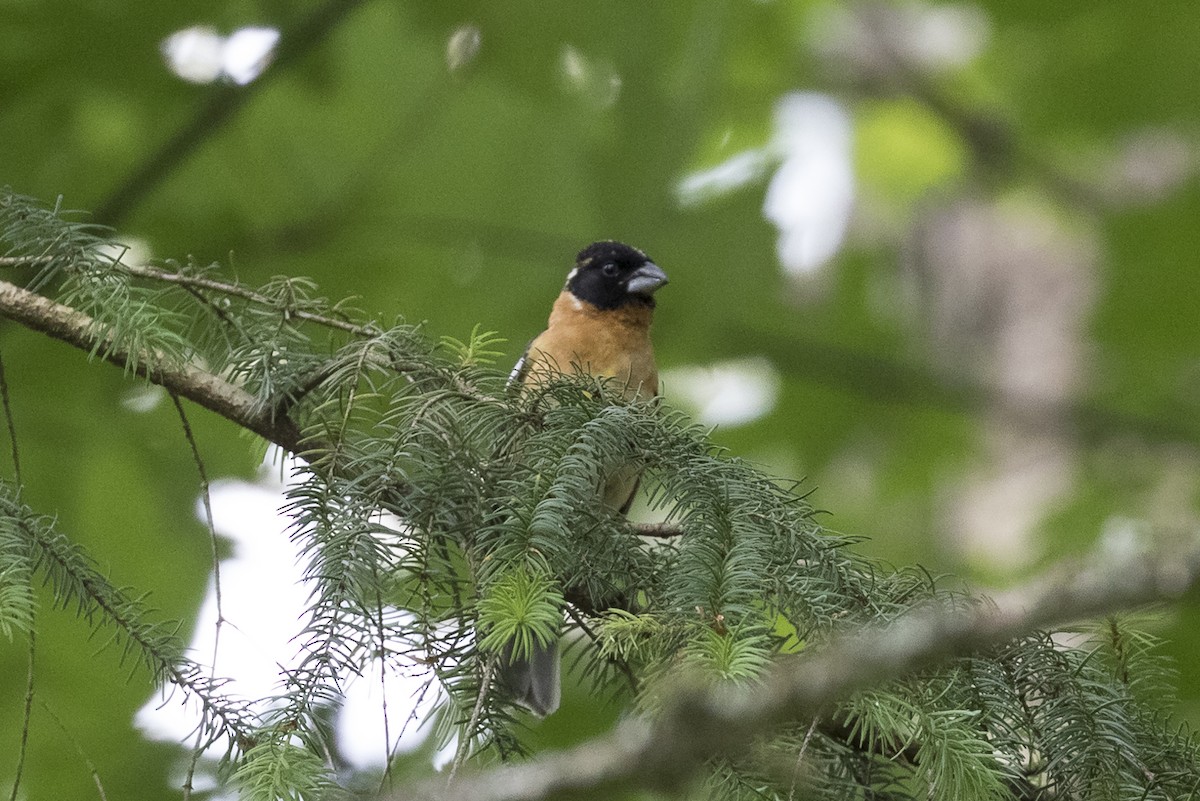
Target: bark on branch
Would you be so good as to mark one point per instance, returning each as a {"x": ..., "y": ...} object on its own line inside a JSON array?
[
  {"x": 185, "y": 380},
  {"x": 697, "y": 725}
]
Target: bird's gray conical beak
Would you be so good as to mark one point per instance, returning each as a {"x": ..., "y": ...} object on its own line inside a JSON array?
[{"x": 645, "y": 279}]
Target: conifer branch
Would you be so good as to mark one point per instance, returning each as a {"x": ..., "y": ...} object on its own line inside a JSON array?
[
  {"x": 483, "y": 483},
  {"x": 74, "y": 580},
  {"x": 69, "y": 325},
  {"x": 186, "y": 380},
  {"x": 698, "y": 725},
  {"x": 245, "y": 293}
]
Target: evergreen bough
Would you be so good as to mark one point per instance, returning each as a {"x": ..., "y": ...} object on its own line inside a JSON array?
[{"x": 444, "y": 518}]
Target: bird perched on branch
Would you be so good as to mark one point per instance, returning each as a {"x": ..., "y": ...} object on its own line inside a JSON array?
[{"x": 599, "y": 325}]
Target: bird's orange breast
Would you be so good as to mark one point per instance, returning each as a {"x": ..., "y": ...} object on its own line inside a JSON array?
[{"x": 613, "y": 343}]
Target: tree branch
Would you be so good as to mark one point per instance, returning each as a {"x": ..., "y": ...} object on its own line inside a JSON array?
[
  {"x": 205, "y": 389},
  {"x": 659, "y": 531},
  {"x": 239, "y": 291},
  {"x": 993, "y": 140},
  {"x": 697, "y": 725},
  {"x": 294, "y": 42},
  {"x": 885, "y": 380}
]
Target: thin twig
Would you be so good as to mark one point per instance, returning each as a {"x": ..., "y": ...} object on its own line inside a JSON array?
[
  {"x": 383, "y": 650},
  {"x": 464, "y": 745},
  {"x": 812, "y": 727},
  {"x": 12, "y": 428},
  {"x": 195, "y": 284},
  {"x": 201, "y": 730},
  {"x": 245, "y": 293},
  {"x": 91, "y": 766},
  {"x": 621, "y": 664},
  {"x": 27, "y": 714}
]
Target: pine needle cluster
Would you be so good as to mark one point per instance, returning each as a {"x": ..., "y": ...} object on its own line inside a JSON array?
[{"x": 444, "y": 519}]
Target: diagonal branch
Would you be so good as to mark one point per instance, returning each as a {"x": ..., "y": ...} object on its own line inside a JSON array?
[
  {"x": 697, "y": 725},
  {"x": 186, "y": 380},
  {"x": 294, "y": 42}
]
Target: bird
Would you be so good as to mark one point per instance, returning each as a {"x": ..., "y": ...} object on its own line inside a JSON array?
[{"x": 600, "y": 326}]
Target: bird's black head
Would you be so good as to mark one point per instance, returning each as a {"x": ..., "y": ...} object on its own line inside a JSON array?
[{"x": 609, "y": 275}]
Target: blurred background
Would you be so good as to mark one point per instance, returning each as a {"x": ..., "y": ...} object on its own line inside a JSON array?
[{"x": 938, "y": 260}]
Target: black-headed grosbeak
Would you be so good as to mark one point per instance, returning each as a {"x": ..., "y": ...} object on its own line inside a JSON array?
[{"x": 600, "y": 325}]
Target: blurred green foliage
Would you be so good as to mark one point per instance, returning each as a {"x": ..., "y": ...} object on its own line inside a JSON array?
[{"x": 460, "y": 196}]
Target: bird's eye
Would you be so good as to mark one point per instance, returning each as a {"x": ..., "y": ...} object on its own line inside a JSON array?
[{"x": 609, "y": 269}]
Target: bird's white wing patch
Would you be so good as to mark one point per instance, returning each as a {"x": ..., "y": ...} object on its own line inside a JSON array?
[{"x": 517, "y": 376}]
